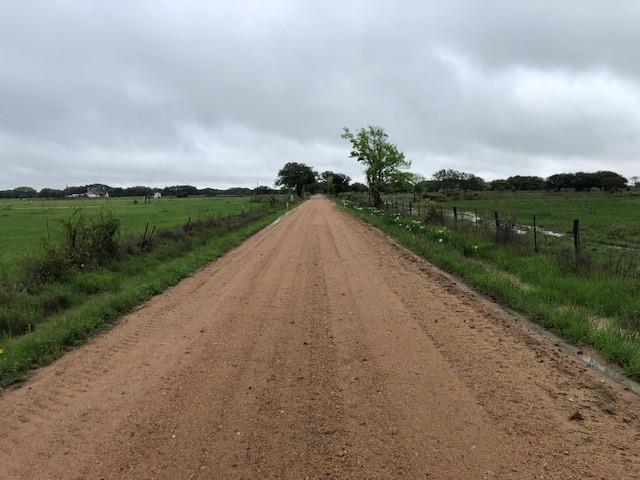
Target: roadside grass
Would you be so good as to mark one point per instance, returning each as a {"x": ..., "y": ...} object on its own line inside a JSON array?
[
  {"x": 595, "y": 309},
  {"x": 64, "y": 313}
]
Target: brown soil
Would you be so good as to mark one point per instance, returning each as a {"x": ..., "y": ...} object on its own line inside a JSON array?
[{"x": 319, "y": 349}]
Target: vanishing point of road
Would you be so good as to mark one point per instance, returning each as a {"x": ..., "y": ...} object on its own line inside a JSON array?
[{"x": 319, "y": 348}]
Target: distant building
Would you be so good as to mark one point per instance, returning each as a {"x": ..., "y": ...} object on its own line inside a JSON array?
[
  {"x": 97, "y": 191},
  {"x": 157, "y": 195}
]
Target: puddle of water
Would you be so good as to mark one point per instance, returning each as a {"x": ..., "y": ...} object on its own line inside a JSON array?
[{"x": 519, "y": 229}]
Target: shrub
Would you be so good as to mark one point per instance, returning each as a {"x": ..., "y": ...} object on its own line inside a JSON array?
[
  {"x": 91, "y": 242},
  {"x": 87, "y": 243},
  {"x": 53, "y": 264},
  {"x": 13, "y": 322},
  {"x": 52, "y": 302}
]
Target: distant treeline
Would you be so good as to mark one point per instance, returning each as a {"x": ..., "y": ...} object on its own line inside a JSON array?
[
  {"x": 445, "y": 181},
  {"x": 450, "y": 180},
  {"x": 139, "y": 191}
]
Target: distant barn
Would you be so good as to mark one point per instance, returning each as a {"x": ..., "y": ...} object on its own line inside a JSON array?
[{"x": 97, "y": 191}]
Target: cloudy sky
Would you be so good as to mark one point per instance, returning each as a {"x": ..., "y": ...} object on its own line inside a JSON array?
[{"x": 221, "y": 93}]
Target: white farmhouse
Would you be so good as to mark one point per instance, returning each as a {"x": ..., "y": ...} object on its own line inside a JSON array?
[{"x": 97, "y": 191}]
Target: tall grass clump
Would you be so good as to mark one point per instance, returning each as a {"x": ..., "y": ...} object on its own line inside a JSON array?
[{"x": 87, "y": 243}]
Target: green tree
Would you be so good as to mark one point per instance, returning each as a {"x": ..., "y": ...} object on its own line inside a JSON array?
[
  {"x": 334, "y": 183},
  {"x": 472, "y": 182},
  {"x": 358, "y": 187},
  {"x": 405, "y": 181},
  {"x": 382, "y": 159},
  {"x": 296, "y": 176},
  {"x": 526, "y": 182},
  {"x": 449, "y": 180},
  {"x": 499, "y": 185},
  {"x": 24, "y": 192},
  {"x": 180, "y": 191},
  {"x": 51, "y": 193}
]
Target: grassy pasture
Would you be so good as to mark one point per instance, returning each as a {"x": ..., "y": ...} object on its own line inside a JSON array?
[
  {"x": 605, "y": 219},
  {"x": 23, "y": 223}
]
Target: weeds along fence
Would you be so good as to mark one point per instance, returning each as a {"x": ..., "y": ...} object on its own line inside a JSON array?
[
  {"x": 529, "y": 238},
  {"x": 49, "y": 277}
]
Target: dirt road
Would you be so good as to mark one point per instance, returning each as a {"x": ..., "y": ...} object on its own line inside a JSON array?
[{"x": 318, "y": 349}]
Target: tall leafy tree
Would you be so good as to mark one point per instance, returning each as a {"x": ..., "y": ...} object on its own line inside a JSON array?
[
  {"x": 526, "y": 182},
  {"x": 382, "y": 159},
  {"x": 581, "y": 181},
  {"x": 334, "y": 183},
  {"x": 405, "y": 181},
  {"x": 296, "y": 176},
  {"x": 449, "y": 180},
  {"x": 24, "y": 192},
  {"x": 358, "y": 187}
]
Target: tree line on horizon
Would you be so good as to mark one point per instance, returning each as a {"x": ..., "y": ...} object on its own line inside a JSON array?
[
  {"x": 301, "y": 178},
  {"x": 137, "y": 191},
  {"x": 604, "y": 180}
]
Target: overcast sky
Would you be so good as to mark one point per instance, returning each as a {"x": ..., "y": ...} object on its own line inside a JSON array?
[{"x": 222, "y": 93}]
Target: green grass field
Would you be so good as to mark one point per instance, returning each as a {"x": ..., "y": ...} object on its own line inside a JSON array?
[
  {"x": 604, "y": 219},
  {"x": 23, "y": 223}
]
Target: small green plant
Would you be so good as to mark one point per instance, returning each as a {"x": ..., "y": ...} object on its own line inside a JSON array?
[
  {"x": 87, "y": 243},
  {"x": 52, "y": 302}
]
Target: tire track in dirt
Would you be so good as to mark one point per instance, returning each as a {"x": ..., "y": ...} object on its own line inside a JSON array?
[{"x": 318, "y": 349}]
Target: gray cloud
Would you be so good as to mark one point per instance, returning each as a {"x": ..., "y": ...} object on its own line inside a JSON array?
[{"x": 223, "y": 93}]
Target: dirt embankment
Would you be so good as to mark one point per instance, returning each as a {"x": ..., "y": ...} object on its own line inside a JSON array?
[{"x": 318, "y": 349}]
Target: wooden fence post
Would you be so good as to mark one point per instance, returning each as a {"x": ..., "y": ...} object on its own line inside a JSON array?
[
  {"x": 576, "y": 239},
  {"x": 475, "y": 216},
  {"x": 535, "y": 235},
  {"x": 455, "y": 216}
]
